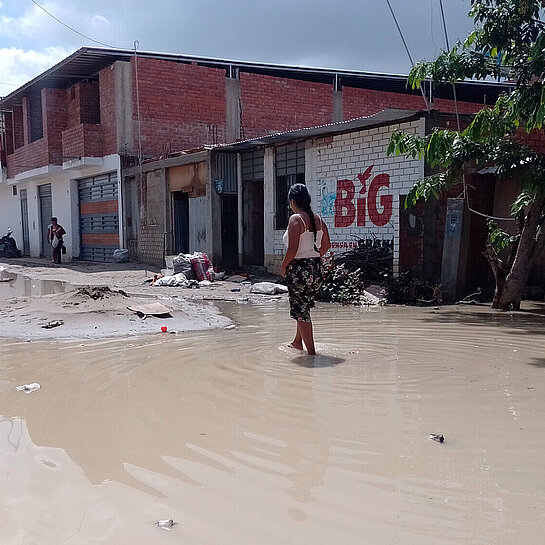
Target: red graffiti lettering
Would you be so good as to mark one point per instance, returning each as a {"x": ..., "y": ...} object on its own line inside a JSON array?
[
  {"x": 345, "y": 202},
  {"x": 345, "y": 209},
  {"x": 380, "y": 218}
]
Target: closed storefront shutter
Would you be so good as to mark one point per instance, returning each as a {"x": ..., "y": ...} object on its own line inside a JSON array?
[{"x": 99, "y": 219}]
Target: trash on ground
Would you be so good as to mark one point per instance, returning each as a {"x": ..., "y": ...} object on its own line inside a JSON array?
[
  {"x": 472, "y": 299},
  {"x": 151, "y": 309},
  {"x": 437, "y": 437},
  {"x": 165, "y": 524},
  {"x": 237, "y": 278},
  {"x": 232, "y": 326},
  {"x": 99, "y": 292},
  {"x": 205, "y": 283},
  {"x": 28, "y": 388},
  {"x": 178, "y": 280},
  {"x": 235, "y": 289},
  {"x": 203, "y": 266},
  {"x": 219, "y": 275},
  {"x": 182, "y": 264},
  {"x": 52, "y": 324},
  {"x": 268, "y": 288},
  {"x": 6, "y": 279},
  {"x": 121, "y": 255}
]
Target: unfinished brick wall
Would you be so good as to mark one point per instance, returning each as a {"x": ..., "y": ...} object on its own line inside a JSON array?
[
  {"x": 182, "y": 106},
  {"x": 54, "y": 101},
  {"x": 360, "y": 102},
  {"x": 273, "y": 104},
  {"x": 152, "y": 218},
  {"x": 82, "y": 141},
  {"x": 107, "y": 111}
]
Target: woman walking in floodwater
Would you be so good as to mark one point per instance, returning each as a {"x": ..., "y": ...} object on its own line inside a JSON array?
[{"x": 307, "y": 240}]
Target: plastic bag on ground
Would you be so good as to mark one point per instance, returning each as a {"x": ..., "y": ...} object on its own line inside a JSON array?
[
  {"x": 121, "y": 255},
  {"x": 203, "y": 266},
  {"x": 268, "y": 288},
  {"x": 182, "y": 264},
  {"x": 177, "y": 280}
]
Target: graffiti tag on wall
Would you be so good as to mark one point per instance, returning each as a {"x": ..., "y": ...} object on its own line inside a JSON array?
[{"x": 367, "y": 205}]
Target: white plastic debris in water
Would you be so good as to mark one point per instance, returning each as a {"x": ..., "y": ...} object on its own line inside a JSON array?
[
  {"x": 28, "y": 388},
  {"x": 166, "y": 524}
]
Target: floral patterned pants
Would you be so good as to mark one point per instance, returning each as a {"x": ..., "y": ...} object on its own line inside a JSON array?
[{"x": 304, "y": 278}]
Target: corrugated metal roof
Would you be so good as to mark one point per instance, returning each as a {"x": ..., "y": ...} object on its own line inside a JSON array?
[
  {"x": 87, "y": 62},
  {"x": 384, "y": 117}
]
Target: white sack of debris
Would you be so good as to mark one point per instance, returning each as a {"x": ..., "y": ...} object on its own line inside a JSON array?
[{"x": 268, "y": 288}]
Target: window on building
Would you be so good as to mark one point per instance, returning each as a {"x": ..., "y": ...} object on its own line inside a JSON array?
[
  {"x": 35, "y": 121},
  {"x": 290, "y": 170}
]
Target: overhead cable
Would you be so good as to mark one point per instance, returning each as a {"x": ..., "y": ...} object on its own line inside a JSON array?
[
  {"x": 408, "y": 52},
  {"x": 465, "y": 192},
  {"x": 70, "y": 28}
]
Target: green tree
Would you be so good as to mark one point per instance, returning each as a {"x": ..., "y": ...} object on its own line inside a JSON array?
[{"x": 508, "y": 42}]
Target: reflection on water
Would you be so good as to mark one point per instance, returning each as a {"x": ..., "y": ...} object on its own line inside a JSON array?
[
  {"x": 15, "y": 285},
  {"x": 245, "y": 441}
]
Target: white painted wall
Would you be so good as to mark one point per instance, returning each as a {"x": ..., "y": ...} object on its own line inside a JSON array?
[
  {"x": 64, "y": 190},
  {"x": 344, "y": 157},
  {"x": 10, "y": 213}
]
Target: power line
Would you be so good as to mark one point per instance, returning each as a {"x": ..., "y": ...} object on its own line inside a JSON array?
[
  {"x": 407, "y": 50},
  {"x": 6, "y": 83},
  {"x": 70, "y": 28},
  {"x": 465, "y": 192}
]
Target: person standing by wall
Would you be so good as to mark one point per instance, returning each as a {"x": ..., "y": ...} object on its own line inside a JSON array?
[
  {"x": 55, "y": 233},
  {"x": 307, "y": 240}
]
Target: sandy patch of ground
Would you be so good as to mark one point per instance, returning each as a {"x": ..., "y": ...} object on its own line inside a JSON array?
[{"x": 84, "y": 316}]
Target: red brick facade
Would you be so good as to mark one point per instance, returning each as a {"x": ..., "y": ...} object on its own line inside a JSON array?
[
  {"x": 358, "y": 102},
  {"x": 273, "y": 104},
  {"x": 181, "y": 105}
]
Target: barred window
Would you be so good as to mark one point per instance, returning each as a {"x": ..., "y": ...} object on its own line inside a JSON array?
[{"x": 290, "y": 170}]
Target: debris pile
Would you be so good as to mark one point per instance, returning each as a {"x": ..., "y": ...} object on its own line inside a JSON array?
[{"x": 347, "y": 275}]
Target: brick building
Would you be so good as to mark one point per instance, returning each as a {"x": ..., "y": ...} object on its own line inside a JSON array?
[{"x": 75, "y": 142}]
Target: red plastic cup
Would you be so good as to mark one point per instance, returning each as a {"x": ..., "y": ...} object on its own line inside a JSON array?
[{"x": 164, "y": 328}]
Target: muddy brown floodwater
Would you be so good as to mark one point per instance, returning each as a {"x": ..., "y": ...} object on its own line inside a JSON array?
[{"x": 244, "y": 442}]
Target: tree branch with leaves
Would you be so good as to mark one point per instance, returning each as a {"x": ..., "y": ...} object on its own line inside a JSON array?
[{"x": 508, "y": 42}]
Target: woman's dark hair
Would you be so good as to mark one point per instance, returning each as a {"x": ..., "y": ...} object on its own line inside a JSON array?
[{"x": 300, "y": 195}]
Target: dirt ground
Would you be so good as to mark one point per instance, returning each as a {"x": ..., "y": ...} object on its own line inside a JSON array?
[{"x": 88, "y": 313}]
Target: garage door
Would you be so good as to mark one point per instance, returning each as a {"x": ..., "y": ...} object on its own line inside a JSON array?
[{"x": 99, "y": 219}]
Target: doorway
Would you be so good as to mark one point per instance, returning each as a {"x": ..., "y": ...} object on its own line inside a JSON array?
[
  {"x": 46, "y": 211},
  {"x": 252, "y": 226},
  {"x": 24, "y": 221},
  {"x": 180, "y": 209},
  {"x": 229, "y": 231}
]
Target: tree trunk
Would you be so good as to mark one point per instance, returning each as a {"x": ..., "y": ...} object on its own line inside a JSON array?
[{"x": 510, "y": 288}]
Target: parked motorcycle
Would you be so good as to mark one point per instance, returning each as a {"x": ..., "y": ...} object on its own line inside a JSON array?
[{"x": 8, "y": 246}]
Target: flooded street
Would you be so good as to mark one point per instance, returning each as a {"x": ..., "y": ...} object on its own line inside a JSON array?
[{"x": 245, "y": 442}]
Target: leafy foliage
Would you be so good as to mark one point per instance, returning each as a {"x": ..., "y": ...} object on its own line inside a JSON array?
[{"x": 508, "y": 42}]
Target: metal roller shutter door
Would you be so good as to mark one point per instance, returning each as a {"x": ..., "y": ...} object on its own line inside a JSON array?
[{"x": 99, "y": 219}]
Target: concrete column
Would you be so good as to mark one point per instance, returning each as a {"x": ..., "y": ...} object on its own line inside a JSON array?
[
  {"x": 454, "y": 250},
  {"x": 232, "y": 109},
  {"x": 337, "y": 106},
  {"x": 269, "y": 208},
  {"x": 123, "y": 107}
]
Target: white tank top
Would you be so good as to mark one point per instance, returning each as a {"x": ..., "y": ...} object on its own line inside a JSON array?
[{"x": 306, "y": 241}]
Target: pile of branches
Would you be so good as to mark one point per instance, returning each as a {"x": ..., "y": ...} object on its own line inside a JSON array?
[{"x": 346, "y": 275}]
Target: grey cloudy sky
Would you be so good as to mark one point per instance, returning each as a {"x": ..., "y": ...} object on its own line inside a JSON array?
[{"x": 351, "y": 34}]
